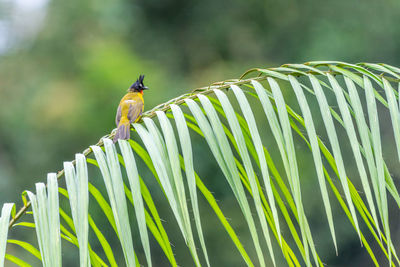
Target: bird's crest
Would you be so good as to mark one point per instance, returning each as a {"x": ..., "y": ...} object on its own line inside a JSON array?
[{"x": 138, "y": 85}]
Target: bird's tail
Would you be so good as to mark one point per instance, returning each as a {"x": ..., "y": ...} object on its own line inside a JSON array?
[{"x": 123, "y": 131}]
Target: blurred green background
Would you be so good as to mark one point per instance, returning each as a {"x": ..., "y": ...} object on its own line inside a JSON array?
[{"x": 64, "y": 65}]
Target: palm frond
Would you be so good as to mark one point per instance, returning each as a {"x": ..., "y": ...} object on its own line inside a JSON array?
[{"x": 231, "y": 118}]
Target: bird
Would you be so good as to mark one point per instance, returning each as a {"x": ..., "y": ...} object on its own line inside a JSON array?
[{"x": 130, "y": 109}]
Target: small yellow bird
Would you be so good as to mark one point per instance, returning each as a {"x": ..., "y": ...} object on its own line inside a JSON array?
[{"x": 130, "y": 109}]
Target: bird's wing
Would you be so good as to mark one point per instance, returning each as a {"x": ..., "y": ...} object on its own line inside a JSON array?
[
  {"x": 135, "y": 110},
  {"x": 118, "y": 116}
]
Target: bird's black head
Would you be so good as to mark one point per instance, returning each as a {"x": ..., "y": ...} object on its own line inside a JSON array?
[{"x": 138, "y": 86}]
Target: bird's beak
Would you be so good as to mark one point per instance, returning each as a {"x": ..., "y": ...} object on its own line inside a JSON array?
[{"x": 145, "y": 88}]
